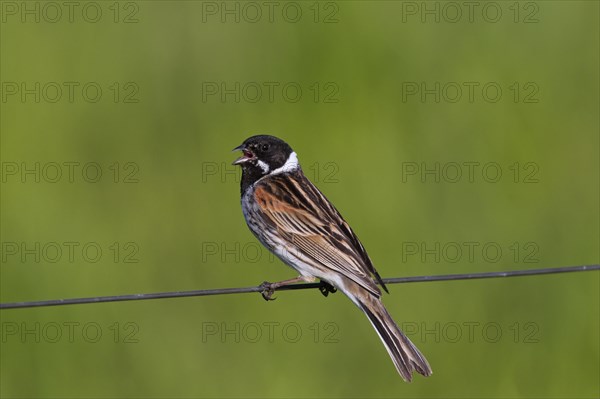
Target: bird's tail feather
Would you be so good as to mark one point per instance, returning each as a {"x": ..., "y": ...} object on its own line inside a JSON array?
[{"x": 404, "y": 353}]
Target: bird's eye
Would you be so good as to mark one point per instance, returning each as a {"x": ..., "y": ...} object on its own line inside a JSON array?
[{"x": 265, "y": 147}]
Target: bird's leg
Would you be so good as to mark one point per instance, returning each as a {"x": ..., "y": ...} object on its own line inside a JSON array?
[
  {"x": 268, "y": 289},
  {"x": 326, "y": 288}
]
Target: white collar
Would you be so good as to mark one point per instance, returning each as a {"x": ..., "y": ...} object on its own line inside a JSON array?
[{"x": 289, "y": 166}]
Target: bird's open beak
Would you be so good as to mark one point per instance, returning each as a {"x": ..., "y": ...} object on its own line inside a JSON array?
[{"x": 247, "y": 155}]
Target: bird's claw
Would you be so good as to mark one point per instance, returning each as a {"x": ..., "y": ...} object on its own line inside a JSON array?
[
  {"x": 326, "y": 288},
  {"x": 267, "y": 290}
]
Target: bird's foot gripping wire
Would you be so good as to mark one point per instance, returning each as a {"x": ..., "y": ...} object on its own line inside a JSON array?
[
  {"x": 326, "y": 288},
  {"x": 267, "y": 290}
]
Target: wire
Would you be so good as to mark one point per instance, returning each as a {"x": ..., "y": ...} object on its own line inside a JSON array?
[{"x": 244, "y": 290}]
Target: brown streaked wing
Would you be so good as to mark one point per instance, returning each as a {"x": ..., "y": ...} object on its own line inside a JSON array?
[
  {"x": 337, "y": 218},
  {"x": 313, "y": 227}
]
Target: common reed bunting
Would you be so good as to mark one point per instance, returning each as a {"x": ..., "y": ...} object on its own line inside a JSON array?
[{"x": 295, "y": 221}]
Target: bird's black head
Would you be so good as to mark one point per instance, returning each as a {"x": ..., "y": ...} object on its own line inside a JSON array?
[{"x": 264, "y": 155}]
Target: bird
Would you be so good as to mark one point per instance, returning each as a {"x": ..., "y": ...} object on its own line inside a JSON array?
[{"x": 292, "y": 218}]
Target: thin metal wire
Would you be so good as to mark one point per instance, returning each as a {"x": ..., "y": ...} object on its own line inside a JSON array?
[{"x": 244, "y": 290}]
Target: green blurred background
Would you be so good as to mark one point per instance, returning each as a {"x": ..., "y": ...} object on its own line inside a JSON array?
[{"x": 165, "y": 212}]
